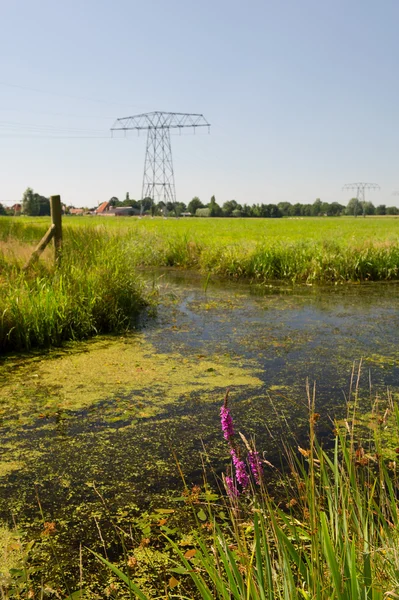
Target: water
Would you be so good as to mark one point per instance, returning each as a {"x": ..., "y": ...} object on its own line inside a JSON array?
[{"x": 96, "y": 429}]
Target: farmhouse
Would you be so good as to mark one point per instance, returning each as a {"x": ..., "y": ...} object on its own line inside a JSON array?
[{"x": 107, "y": 210}]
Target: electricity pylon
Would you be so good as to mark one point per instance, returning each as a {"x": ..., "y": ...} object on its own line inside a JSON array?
[
  {"x": 360, "y": 192},
  {"x": 159, "y": 178}
]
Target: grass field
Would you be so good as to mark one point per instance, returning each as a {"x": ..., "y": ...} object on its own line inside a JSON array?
[
  {"x": 232, "y": 231},
  {"x": 312, "y": 250},
  {"x": 97, "y": 288}
]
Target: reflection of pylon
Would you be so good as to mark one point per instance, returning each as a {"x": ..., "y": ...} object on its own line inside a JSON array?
[
  {"x": 360, "y": 191},
  {"x": 159, "y": 179}
]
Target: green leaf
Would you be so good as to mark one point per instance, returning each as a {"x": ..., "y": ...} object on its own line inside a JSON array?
[
  {"x": 179, "y": 571},
  {"x": 202, "y": 515}
]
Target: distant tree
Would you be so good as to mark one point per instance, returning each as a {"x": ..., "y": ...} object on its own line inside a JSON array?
[
  {"x": 161, "y": 208},
  {"x": 229, "y": 206},
  {"x": 354, "y": 207},
  {"x": 246, "y": 210},
  {"x": 194, "y": 204},
  {"x": 336, "y": 209},
  {"x": 114, "y": 201},
  {"x": 381, "y": 210},
  {"x": 263, "y": 211},
  {"x": 274, "y": 211},
  {"x": 133, "y": 203},
  {"x": 295, "y": 210},
  {"x": 2, "y": 210},
  {"x": 44, "y": 205},
  {"x": 368, "y": 208},
  {"x": 317, "y": 207},
  {"x": 214, "y": 209},
  {"x": 30, "y": 204},
  {"x": 180, "y": 208},
  {"x": 284, "y": 207},
  {"x": 146, "y": 205},
  {"x": 35, "y": 205},
  {"x": 392, "y": 210},
  {"x": 325, "y": 209}
]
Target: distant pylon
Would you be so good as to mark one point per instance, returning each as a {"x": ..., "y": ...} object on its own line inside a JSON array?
[
  {"x": 360, "y": 188},
  {"x": 159, "y": 178}
]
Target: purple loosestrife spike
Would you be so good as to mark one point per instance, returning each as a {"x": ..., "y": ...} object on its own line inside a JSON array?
[
  {"x": 231, "y": 489},
  {"x": 241, "y": 470},
  {"x": 255, "y": 465},
  {"x": 227, "y": 423}
]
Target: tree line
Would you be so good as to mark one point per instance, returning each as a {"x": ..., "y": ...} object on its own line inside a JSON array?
[
  {"x": 231, "y": 208},
  {"x": 33, "y": 204}
]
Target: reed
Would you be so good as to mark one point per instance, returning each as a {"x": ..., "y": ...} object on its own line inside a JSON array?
[
  {"x": 96, "y": 290},
  {"x": 329, "y": 533}
]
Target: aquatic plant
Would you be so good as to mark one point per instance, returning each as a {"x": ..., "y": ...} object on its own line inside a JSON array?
[
  {"x": 330, "y": 534},
  {"x": 335, "y": 538},
  {"x": 226, "y": 421}
]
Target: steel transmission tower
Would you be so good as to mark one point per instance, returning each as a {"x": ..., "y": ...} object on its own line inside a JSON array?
[
  {"x": 360, "y": 188},
  {"x": 159, "y": 179}
]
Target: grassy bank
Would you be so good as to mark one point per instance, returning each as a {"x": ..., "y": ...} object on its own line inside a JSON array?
[
  {"x": 297, "y": 250},
  {"x": 95, "y": 290}
]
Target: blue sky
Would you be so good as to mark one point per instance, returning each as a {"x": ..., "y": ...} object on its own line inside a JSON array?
[{"x": 302, "y": 96}]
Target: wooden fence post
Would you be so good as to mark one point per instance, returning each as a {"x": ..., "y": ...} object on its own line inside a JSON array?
[
  {"x": 56, "y": 212},
  {"x": 55, "y": 231}
]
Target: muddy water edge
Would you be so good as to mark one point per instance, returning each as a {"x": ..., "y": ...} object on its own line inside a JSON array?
[{"x": 92, "y": 433}]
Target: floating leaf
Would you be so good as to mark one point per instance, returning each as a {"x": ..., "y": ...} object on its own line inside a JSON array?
[
  {"x": 201, "y": 515},
  {"x": 180, "y": 571},
  {"x": 190, "y": 553},
  {"x": 167, "y": 530},
  {"x": 173, "y": 582}
]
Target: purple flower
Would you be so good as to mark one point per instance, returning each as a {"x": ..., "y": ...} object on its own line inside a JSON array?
[
  {"x": 255, "y": 465},
  {"x": 240, "y": 469},
  {"x": 227, "y": 423},
  {"x": 231, "y": 489}
]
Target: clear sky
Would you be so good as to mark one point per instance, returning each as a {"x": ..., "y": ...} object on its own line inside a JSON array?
[{"x": 302, "y": 96}]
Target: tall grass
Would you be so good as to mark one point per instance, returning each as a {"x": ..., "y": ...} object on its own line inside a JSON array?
[
  {"x": 301, "y": 251},
  {"x": 335, "y": 536},
  {"x": 330, "y": 532},
  {"x": 95, "y": 290}
]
